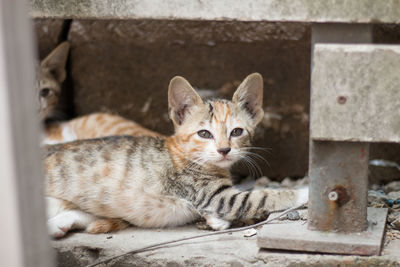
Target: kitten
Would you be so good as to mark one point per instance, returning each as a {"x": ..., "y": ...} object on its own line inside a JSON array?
[
  {"x": 50, "y": 76},
  {"x": 164, "y": 181}
]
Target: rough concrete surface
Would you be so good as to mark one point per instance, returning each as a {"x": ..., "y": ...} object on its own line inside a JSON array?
[
  {"x": 361, "y": 11},
  {"x": 300, "y": 237},
  {"x": 80, "y": 249},
  {"x": 354, "y": 93},
  {"x": 48, "y": 34}
]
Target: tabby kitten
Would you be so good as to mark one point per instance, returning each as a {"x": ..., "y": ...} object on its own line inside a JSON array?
[
  {"x": 164, "y": 181},
  {"x": 50, "y": 76}
]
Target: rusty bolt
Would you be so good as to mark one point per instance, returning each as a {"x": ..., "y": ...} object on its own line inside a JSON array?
[
  {"x": 341, "y": 100},
  {"x": 339, "y": 195},
  {"x": 333, "y": 196}
]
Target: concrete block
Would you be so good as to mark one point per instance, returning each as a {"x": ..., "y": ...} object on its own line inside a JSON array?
[
  {"x": 351, "y": 11},
  {"x": 299, "y": 238},
  {"x": 355, "y": 92}
]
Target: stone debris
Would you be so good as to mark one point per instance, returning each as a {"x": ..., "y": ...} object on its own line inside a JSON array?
[
  {"x": 396, "y": 222},
  {"x": 383, "y": 198},
  {"x": 292, "y": 216},
  {"x": 249, "y": 232}
]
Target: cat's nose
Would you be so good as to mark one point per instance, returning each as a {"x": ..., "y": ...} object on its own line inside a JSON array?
[{"x": 224, "y": 151}]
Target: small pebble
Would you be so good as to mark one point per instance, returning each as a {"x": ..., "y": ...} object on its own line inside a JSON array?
[
  {"x": 394, "y": 195},
  {"x": 396, "y": 223},
  {"x": 249, "y": 232},
  {"x": 303, "y": 214},
  {"x": 393, "y": 186},
  {"x": 262, "y": 182},
  {"x": 274, "y": 185},
  {"x": 287, "y": 182},
  {"x": 293, "y": 215}
]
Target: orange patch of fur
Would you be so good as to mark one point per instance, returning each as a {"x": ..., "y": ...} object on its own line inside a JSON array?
[
  {"x": 54, "y": 131},
  {"x": 106, "y": 171},
  {"x": 106, "y": 226}
]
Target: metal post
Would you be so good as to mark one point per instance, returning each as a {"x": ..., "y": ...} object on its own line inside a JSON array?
[
  {"x": 338, "y": 186},
  {"x": 338, "y": 218},
  {"x": 338, "y": 167}
]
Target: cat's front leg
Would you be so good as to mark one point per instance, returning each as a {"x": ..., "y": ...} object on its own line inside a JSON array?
[{"x": 223, "y": 204}]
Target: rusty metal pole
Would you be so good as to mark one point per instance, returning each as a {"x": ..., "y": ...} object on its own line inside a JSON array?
[
  {"x": 338, "y": 171},
  {"x": 338, "y": 186}
]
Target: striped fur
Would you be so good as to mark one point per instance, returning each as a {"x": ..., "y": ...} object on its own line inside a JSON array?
[{"x": 165, "y": 181}]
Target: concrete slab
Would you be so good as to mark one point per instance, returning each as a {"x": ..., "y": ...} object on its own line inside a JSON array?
[
  {"x": 355, "y": 93},
  {"x": 350, "y": 11},
  {"x": 80, "y": 249},
  {"x": 298, "y": 237}
]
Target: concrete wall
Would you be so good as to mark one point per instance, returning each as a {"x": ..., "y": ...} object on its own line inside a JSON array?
[{"x": 125, "y": 66}]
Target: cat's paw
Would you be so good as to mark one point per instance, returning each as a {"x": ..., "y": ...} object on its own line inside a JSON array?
[
  {"x": 59, "y": 226},
  {"x": 216, "y": 223},
  {"x": 302, "y": 195}
]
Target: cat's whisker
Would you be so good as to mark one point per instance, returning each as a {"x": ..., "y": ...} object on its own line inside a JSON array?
[
  {"x": 254, "y": 169},
  {"x": 244, "y": 163},
  {"x": 257, "y": 167},
  {"x": 266, "y": 150},
  {"x": 257, "y": 156},
  {"x": 257, "y": 147}
]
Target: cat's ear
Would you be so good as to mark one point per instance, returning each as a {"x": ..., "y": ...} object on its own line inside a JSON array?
[
  {"x": 249, "y": 96},
  {"x": 181, "y": 97},
  {"x": 55, "y": 62}
]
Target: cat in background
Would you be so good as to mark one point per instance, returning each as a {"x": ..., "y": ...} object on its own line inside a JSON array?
[
  {"x": 101, "y": 184},
  {"x": 50, "y": 76}
]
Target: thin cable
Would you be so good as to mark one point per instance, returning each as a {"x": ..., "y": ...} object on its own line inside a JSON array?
[{"x": 159, "y": 245}]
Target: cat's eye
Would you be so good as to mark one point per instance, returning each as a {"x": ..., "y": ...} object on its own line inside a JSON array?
[
  {"x": 44, "y": 92},
  {"x": 205, "y": 134},
  {"x": 237, "y": 132}
]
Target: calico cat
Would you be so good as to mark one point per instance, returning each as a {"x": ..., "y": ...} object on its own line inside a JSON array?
[
  {"x": 50, "y": 76},
  {"x": 100, "y": 184}
]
